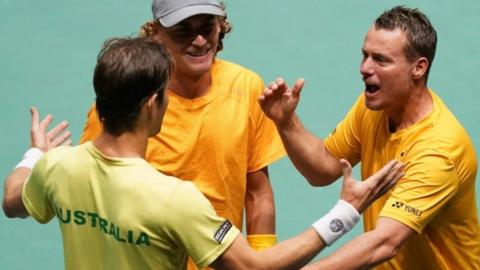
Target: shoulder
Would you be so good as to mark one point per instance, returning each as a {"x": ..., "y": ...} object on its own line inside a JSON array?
[
  {"x": 229, "y": 70},
  {"x": 446, "y": 131},
  {"x": 445, "y": 121},
  {"x": 187, "y": 192},
  {"x": 61, "y": 154},
  {"x": 185, "y": 197}
]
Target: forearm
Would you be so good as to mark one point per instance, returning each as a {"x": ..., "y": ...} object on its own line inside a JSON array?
[
  {"x": 259, "y": 204},
  {"x": 361, "y": 253},
  {"x": 260, "y": 215},
  {"x": 308, "y": 153},
  {"x": 302, "y": 248},
  {"x": 290, "y": 254},
  {"x": 294, "y": 252},
  {"x": 368, "y": 249},
  {"x": 12, "y": 201}
]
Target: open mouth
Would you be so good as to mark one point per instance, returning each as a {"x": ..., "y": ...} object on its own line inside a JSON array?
[
  {"x": 198, "y": 53},
  {"x": 371, "y": 88}
]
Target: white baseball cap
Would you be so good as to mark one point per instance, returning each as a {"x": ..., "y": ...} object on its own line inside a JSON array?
[{"x": 171, "y": 12}]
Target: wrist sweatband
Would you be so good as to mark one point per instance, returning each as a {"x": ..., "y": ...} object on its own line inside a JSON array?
[
  {"x": 341, "y": 218},
  {"x": 30, "y": 158},
  {"x": 260, "y": 242}
]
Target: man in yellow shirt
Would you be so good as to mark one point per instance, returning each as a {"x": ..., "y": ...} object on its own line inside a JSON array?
[
  {"x": 214, "y": 133},
  {"x": 116, "y": 211},
  {"x": 429, "y": 220}
]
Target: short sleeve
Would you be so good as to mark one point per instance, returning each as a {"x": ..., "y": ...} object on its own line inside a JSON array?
[
  {"x": 345, "y": 140},
  {"x": 196, "y": 227},
  {"x": 34, "y": 194},
  {"x": 265, "y": 145},
  {"x": 429, "y": 183},
  {"x": 92, "y": 128}
]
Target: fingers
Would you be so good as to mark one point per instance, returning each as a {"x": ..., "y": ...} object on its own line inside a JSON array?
[
  {"x": 297, "y": 87},
  {"x": 62, "y": 139},
  {"x": 382, "y": 173},
  {"x": 34, "y": 113},
  {"x": 271, "y": 89},
  {"x": 45, "y": 122},
  {"x": 346, "y": 169},
  {"x": 386, "y": 177},
  {"x": 40, "y": 138},
  {"x": 57, "y": 129},
  {"x": 395, "y": 173}
]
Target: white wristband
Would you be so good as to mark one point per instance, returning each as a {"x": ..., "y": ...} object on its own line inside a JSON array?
[
  {"x": 30, "y": 158},
  {"x": 341, "y": 218}
]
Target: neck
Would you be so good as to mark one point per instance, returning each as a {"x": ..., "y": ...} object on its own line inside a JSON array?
[
  {"x": 128, "y": 144},
  {"x": 417, "y": 105},
  {"x": 190, "y": 87}
]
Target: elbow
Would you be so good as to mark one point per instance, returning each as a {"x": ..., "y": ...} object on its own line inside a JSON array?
[
  {"x": 11, "y": 210},
  {"x": 388, "y": 249},
  {"x": 320, "y": 178},
  {"x": 315, "y": 183},
  {"x": 318, "y": 181},
  {"x": 7, "y": 210}
]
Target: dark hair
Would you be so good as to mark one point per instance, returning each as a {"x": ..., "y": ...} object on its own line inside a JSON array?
[
  {"x": 128, "y": 71},
  {"x": 148, "y": 28},
  {"x": 421, "y": 36}
]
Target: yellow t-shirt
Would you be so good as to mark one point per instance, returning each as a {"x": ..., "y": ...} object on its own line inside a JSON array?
[
  {"x": 121, "y": 213},
  {"x": 214, "y": 140},
  {"x": 436, "y": 197}
]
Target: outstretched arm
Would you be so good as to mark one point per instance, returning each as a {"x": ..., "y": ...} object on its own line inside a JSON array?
[
  {"x": 41, "y": 141},
  {"x": 297, "y": 251},
  {"x": 368, "y": 249},
  {"x": 307, "y": 152}
]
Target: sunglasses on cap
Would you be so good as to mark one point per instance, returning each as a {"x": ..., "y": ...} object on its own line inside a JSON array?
[{"x": 184, "y": 32}]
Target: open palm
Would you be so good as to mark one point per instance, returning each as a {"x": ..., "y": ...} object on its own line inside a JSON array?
[
  {"x": 361, "y": 194},
  {"x": 279, "y": 102}
]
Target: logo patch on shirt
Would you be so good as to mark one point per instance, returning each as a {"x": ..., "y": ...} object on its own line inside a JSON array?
[
  {"x": 397, "y": 204},
  {"x": 222, "y": 231},
  {"x": 409, "y": 209}
]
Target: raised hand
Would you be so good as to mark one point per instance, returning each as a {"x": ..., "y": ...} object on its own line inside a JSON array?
[
  {"x": 44, "y": 140},
  {"x": 361, "y": 194},
  {"x": 278, "y": 101}
]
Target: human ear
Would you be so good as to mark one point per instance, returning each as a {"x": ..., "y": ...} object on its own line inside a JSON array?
[
  {"x": 420, "y": 67},
  {"x": 154, "y": 31},
  {"x": 152, "y": 103}
]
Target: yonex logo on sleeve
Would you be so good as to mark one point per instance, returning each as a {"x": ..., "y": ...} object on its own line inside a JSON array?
[
  {"x": 407, "y": 208},
  {"x": 222, "y": 231},
  {"x": 397, "y": 204}
]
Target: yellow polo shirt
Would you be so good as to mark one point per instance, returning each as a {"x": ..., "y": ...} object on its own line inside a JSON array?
[
  {"x": 436, "y": 197},
  {"x": 214, "y": 140},
  {"x": 121, "y": 213}
]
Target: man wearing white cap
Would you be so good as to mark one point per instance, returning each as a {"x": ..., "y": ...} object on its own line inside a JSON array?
[{"x": 214, "y": 132}]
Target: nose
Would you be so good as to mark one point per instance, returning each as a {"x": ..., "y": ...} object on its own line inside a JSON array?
[
  {"x": 366, "y": 68},
  {"x": 199, "y": 40}
]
